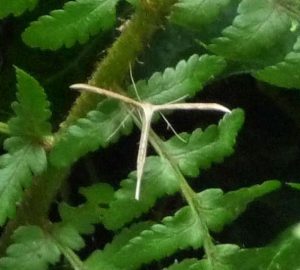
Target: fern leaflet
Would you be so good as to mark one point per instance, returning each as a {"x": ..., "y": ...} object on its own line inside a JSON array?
[
  {"x": 16, "y": 7},
  {"x": 76, "y": 22},
  {"x": 196, "y": 14},
  {"x": 257, "y": 36},
  {"x": 26, "y": 152},
  {"x": 285, "y": 73},
  {"x": 180, "y": 231}
]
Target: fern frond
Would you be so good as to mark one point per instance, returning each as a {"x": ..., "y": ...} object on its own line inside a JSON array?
[
  {"x": 77, "y": 21},
  {"x": 285, "y": 73},
  {"x": 16, "y": 7},
  {"x": 32, "y": 250},
  {"x": 195, "y": 14},
  {"x": 27, "y": 155},
  {"x": 201, "y": 149},
  {"x": 16, "y": 174},
  {"x": 31, "y": 109},
  {"x": 221, "y": 253},
  {"x": 84, "y": 216},
  {"x": 159, "y": 177},
  {"x": 259, "y": 34},
  {"x": 281, "y": 254},
  {"x": 87, "y": 134},
  {"x": 220, "y": 209},
  {"x": 294, "y": 185},
  {"x": 187, "y": 78},
  {"x": 180, "y": 231}
]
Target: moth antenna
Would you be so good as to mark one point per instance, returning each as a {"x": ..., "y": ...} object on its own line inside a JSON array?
[
  {"x": 169, "y": 125},
  {"x": 178, "y": 99},
  {"x": 133, "y": 83},
  {"x": 119, "y": 127}
]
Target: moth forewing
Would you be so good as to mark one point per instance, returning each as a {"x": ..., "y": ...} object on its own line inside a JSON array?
[
  {"x": 104, "y": 92},
  {"x": 147, "y": 113},
  {"x": 192, "y": 106}
]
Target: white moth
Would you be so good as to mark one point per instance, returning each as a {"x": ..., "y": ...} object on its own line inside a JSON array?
[{"x": 146, "y": 111}]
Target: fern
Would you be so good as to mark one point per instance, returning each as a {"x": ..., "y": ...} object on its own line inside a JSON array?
[
  {"x": 278, "y": 255},
  {"x": 32, "y": 110},
  {"x": 76, "y": 22},
  {"x": 185, "y": 80},
  {"x": 281, "y": 73},
  {"x": 33, "y": 250},
  {"x": 221, "y": 251},
  {"x": 59, "y": 238},
  {"x": 82, "y": 217},
  {"x": 29, "y": 130},
  {"x": 196, "y": 14},
  {"x": 159, "y": 177},
  {"x": 180, "y": 231},
  {"x": 16, "y": 7},
  {"x": 257, "y": 34}
]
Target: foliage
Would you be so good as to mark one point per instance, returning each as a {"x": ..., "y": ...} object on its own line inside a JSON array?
[{"x": 47, "y": 224}]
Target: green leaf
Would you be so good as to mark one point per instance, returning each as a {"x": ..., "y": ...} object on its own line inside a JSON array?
[
  {"x": 202, "y": 148},
  {"x": 174, "y": 233},
  {"x": 85, "y": 215},
  {"x": 219, "y": 263},
  {"x": 285, "y": 73},
  {"x": 32, "y": 109},
  {"x": 197, "y": 13},
  {"x": 27, "y": 156},
  {"x": 159, "y": 178},
  {"x": 220, "y": 209},
  {"x": 282, "y": 254},
  {"x": 67, "y": 236},
  {"x": 260, "y": 33},
  {"x": 16, "y": 174},
  {"x": 35, "y": 249},
  {"x": 294, "y": 185},
  {"x": 32, "y": 250},
  {"x": 15, "y": 7},
  {"x": 87, "y": 134},
  {"x": 180, "y": 231},
  {"x": 185, "y": 80},
  {"x": 77, "y": 21}
]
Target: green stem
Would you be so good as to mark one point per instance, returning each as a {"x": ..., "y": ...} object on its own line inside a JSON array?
[
  {"x": 111, "y": 72},
  {"x": 71, "y": 256},
  {"x": 36, "y": 202},
  {"x": 4, "y": 129}
]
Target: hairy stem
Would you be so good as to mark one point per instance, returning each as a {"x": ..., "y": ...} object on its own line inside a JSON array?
[
  {"x": 36, "y": 202},
  {"x": 111, "y": 72}
]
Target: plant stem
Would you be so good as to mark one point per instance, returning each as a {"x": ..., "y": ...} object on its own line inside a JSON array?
[
  {"x": 36, "y": 202},
  {"x": 111, "y": 72}
]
